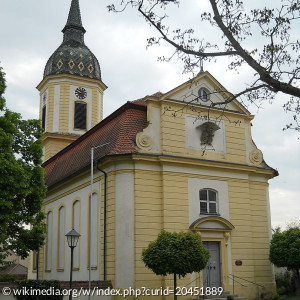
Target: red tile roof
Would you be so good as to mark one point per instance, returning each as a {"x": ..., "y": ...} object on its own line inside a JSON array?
[
  {"x": 142, "y": 101},
  {"x": 119, "y": 130}
]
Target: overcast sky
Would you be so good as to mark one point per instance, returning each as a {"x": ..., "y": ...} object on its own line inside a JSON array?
[{"x": 31, "y": 32}]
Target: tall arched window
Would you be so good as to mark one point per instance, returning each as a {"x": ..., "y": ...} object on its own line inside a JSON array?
[
  {"x": 208, "y": 201},
  {"x": 76, "y": 226},
  {"x": 49, "y": 240},
  {"x": 44, "y": 117},
  {"x": 61, "y": 238},
  {"x": 93, "y": 230},
  {"x": 80, "y": 115}
]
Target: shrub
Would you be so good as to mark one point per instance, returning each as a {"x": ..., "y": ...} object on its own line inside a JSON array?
[
  {"x": 285, "y": 283},
  {"x": 281, "y": 290},
  {"x": 52, "y": 286},
  {"x": 7, "y": 278},
  {"x": 275, "y": 297}
]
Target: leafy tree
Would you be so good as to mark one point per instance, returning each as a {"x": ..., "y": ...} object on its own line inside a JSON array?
[
  {"x": 285, "y": 251},
  {"x": 272, "y": 58},
  {"x": 175, "y": 253},
  {"x": 22, "y": 186}
]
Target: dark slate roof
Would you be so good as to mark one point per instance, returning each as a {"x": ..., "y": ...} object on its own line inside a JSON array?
[
  {"x": 73, "y": 56},
  {"x": 74, "y": 18},
  {"x": 118, "y": 130}
]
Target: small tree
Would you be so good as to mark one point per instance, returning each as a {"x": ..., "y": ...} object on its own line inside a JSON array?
[
  {"x": 285, "y": 251},
  {"x": 175, "y": 253}
]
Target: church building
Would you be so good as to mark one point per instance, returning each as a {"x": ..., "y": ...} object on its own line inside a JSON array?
[{"x": 169, "y": 161}]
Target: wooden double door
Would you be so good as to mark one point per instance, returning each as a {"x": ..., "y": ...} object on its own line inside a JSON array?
[{"x": 212, "y": 272}]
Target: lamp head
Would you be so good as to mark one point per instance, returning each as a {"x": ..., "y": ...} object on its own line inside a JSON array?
[{"x": 72, "y": 238}]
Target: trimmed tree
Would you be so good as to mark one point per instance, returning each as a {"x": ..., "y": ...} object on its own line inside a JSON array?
[
  {"x": 176, "y": 253},
  {"x": 285, "y": 251},
  {"x": 22, "y": 188}
]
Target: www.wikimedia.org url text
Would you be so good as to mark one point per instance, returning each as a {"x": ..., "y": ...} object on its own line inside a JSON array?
[{"x": 143, "y": 291}]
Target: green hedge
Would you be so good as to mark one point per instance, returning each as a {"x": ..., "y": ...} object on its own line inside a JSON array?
[
  {"x": 7, "y": 278},
  {"x": 33, "y": 285},
  {"x": 12, "y": 277}
]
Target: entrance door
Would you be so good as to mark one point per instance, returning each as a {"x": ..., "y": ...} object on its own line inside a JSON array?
[{"x": 212, "y": 272}]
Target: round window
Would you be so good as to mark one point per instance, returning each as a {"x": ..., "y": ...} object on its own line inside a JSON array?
[{"x": 203, "y": 94}]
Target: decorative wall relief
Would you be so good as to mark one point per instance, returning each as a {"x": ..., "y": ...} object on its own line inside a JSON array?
[
  {"x": 144, "y": 141},
  {"x": 256, "y": 157},
  {"x": 207, "y": 132}
]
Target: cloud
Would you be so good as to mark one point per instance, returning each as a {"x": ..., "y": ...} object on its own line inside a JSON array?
[
  {"x": 31, "y": 31},
  {"x": 285, "y": 207}
]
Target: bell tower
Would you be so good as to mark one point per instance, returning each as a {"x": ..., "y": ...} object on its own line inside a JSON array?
[{"x": 71, "y": 92}]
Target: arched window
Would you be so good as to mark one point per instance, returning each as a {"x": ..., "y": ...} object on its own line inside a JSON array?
[
  {"x": 76, "y": 226},
  {"x": 61, "y": 238},
  {"x": 44, "y": 117},
  {"x": 93, "y": 230},
  {"x": 49, "y": 241},
  {"x": 208, "y": 201},
  {"x": 80, "y": 115},
  {"x": 203, "y": 94}
]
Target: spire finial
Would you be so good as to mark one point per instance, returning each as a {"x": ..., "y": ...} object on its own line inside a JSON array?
[
  {"x": 74, "y": 18},
  {"x": 201, "y": 66}
]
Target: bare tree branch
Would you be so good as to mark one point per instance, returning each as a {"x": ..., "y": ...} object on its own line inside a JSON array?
[
  {"x": 275, "y": 60},
  {"x": 177, "y": 46}
]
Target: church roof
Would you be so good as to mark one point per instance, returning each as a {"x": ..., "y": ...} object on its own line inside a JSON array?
[
  {"x": 74, "y": 18},
  {"x": 73, "y": 56},
  {"x": 118, "y": 130}
]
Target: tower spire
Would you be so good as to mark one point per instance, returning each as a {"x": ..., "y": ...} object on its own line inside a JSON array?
[
  {"x": 74, "y": 18},
  {"x": 73, "y": 56}
]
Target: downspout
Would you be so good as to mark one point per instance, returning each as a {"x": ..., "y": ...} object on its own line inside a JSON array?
[{"x": 104, "y": 225}]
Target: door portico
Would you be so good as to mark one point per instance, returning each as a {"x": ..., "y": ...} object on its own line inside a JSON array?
[{"x": 215, "y": 233}]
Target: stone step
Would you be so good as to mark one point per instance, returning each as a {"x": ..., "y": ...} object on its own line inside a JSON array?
[{"x": 223, "y": 296}]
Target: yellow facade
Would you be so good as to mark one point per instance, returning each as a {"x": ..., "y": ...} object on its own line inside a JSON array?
[
  {"x": 241, "y": 166},
  {"x": 158, "y": 188}
]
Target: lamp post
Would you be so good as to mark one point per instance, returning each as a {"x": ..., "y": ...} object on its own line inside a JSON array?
[{"x": 72, "y": 238}]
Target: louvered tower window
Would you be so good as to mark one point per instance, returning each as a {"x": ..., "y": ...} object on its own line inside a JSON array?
[
  {"x": 80, "y": 115},
  {"x": 44, "y": 118}
]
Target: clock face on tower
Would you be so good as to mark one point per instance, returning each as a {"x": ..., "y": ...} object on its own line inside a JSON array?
[{"x": 80, "y": 93}]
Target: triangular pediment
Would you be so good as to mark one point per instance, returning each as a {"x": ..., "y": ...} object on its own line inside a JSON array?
[{"x": 192, "y": 92}]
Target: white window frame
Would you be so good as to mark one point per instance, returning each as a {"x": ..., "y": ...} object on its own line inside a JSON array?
[{"x": 207, "y": 201}]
